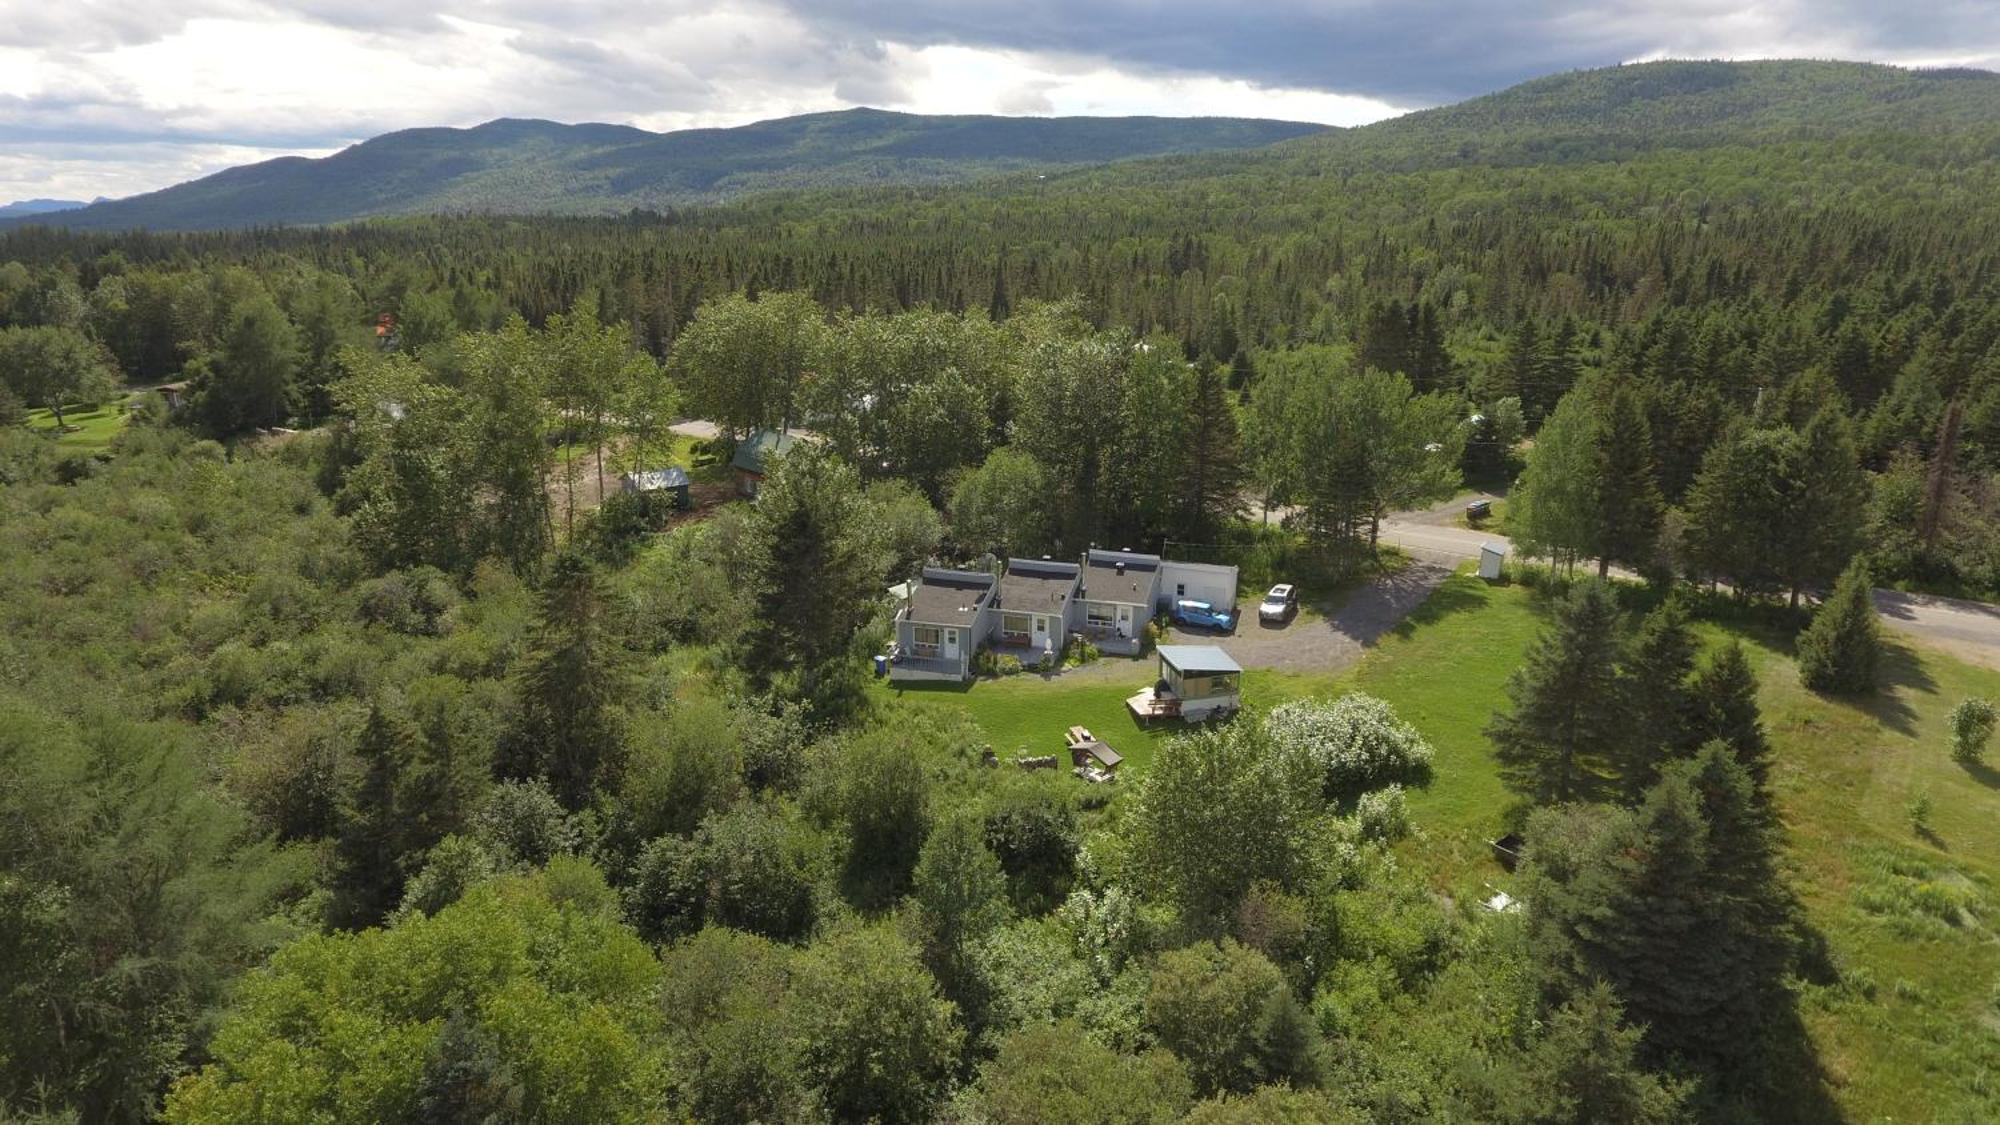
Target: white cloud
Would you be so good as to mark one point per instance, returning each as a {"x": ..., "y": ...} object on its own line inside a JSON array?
[{"x": 117, "y": 96}]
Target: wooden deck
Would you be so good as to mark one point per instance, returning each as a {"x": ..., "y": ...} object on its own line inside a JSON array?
[{"x": 1149, "y": 703}]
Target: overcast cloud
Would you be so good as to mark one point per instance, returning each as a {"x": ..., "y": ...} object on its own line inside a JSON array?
[{"x": 112, "y": 97}]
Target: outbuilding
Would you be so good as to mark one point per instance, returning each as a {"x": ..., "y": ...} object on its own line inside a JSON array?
[
  {"x": 670, "y": 481},
  {"x": 1491, "y": 559},
  {"x": 1196, "y": 682},
  {"x": 1203, "y": 582}
]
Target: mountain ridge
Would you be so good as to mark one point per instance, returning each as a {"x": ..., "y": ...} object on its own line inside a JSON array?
[{"x": 529, "y": 165}]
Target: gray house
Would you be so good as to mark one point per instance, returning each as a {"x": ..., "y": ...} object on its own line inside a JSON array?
[
  {"x": 1121, "y": 591},
  {"x": 947, "y": 616},
  {"x": 1038, "y": 607}
]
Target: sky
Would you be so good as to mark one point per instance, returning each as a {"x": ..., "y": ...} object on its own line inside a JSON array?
[{"x": 115, "y": 97}]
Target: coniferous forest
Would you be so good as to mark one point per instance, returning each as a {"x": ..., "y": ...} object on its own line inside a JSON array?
[{"x": 368, "y": 754}]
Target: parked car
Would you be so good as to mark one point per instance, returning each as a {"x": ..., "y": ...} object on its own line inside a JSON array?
[
  {"x": 1478, "y": 509},
  {"x": 1280, "y": 605},
  {"x": 1188, "y": 611}
]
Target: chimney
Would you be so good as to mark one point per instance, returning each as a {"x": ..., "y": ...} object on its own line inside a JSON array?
[{"x": 1121, "y": 567}]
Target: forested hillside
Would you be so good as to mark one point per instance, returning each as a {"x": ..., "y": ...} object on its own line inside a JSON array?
[
  {"x": 541, "y": 167},
  {"x": 367, "y": 754}
]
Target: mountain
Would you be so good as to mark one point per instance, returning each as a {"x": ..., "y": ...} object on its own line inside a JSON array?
[
  {"x": 1620, "y": 113},
  {"x": 521, "y": 166},
  {"x": 39, "y": 207}
]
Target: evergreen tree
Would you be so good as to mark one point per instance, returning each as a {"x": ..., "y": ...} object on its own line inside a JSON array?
[
  {"x": 1660, "y": 702},
  {"x": 371, "y": 845},
  {"x": 1385, "y": 339},
  {"x": 1211, "y": 479},
  {"x": 1584, "y": 1070},
  {"x": 1725, "y": 699},
  {"x": 1824, "y": 529},
  {"x": 1628, "y": 511},
  {"x": 568, "y": 727},
  {"x": 810, "y": 569},
  {"x": 1839, "y": 653},
  {"x": 1518, "y": 373},
  {"x": 1566, "y": 717}
]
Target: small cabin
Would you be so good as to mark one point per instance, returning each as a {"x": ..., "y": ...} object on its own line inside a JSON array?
[{"x": 1196, "y": 682}]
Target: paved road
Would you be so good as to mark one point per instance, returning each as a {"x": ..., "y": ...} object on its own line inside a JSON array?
[{"x": 1971, "y": 630}]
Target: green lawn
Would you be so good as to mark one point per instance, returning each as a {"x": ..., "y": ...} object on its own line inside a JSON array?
[
  {"x": 84, "y": 428},
  {"x": 1913, "y": 921}
]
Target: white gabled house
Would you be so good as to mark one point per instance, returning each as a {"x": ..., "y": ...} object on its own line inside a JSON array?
[
  {"x": 1037, "y": 608},
  {"x": 1121, "y": 593},
  {"x": 947, "y": 615}
]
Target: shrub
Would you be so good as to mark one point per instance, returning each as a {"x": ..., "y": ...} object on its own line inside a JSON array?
[
  {"x": 1972, "y": 725},
  {"x": 1010, "y": 665},
  {"x": 1383, "y": 814},
  {"x": 1353, "y": 744},
  {"x": 1080, "y": 653}
]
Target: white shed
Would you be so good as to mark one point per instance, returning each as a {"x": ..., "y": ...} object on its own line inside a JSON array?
[
  {"x": 1491, "y": 557},
  {"x": 1204, "y": 582}
]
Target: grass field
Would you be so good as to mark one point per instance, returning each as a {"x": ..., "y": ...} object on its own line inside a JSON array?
[
  {"x": 1911, "y": 1032},
  {"x": 84, "y": 428}
]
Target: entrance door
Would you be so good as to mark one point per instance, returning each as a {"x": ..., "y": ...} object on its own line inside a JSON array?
[
  {"x": 1124, "y": 620},
  {"x": 951, "y": 644},
  {"x": 1041, "y": 631}
]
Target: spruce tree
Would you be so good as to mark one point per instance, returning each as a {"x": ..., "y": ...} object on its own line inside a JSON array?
[
  {"x": 810, "y": 567},
  {"x": 568, "y": 727},
  {"x": 1659, "y": 699},
  {"x": 369, "y": 881},
  {"x": 1211, "y": 477},
  {"x": 1725, "y": 701},
  {"x": 1629, "y": 510},
  {"x": 1566, "y": 717},
  {"x": 1829, "y": 506},
  {"x": 1839, "y": 653},
  {"x": 1584, "y": 1069}
]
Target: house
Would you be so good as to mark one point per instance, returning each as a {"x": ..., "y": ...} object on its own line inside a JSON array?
[
  {"x": 753, "y": 456},
  {"x": 1121, "y": 592},
  {"x": 943, "y": 620},
  {"x": 672, "y": 480},
  {"x": 174, "y": 394},
  {"x": 1196, "y": 682},
  {"x": 1203, "y": 582},
  {"x": 1038, "y": 606}
]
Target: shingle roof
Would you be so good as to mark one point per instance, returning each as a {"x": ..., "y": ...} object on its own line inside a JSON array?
[
  {"x": 1037, "y": 585},
  {"x": 1199, "y": 659},
  {"x": 1102, "y": 581},
  {"x": 949, "y": 597}
]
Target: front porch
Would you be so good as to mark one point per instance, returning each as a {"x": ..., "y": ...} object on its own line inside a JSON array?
[
  {"x": 1108, "y": 640},
  {"x": 909, "y": 666}
]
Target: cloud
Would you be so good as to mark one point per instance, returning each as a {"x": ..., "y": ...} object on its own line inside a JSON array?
[{"x": 90, "y": 85}]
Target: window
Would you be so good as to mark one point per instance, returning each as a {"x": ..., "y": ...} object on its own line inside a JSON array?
[
  {"x": 1180, "y": 590},
  {"x": 1101, "y": 614},
  {"x": 1014, "y": 625},
  {"x": 925, "y": 639}
]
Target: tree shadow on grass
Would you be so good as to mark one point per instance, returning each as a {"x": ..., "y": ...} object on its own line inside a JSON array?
[
  {"x": 1899, "y": 674},
  {"x": 1457, "y": 595}
]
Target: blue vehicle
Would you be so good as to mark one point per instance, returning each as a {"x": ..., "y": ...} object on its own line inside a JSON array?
[{"x": 1187, "y": 611}]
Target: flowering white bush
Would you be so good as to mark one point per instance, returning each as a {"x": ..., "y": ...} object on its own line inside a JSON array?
[
  {"x": 1383, "y": 814},
  {"x": 1353, "y": 744}
]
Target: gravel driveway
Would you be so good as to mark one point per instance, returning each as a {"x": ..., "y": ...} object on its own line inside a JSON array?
[{"x": 1318, "y": 640}]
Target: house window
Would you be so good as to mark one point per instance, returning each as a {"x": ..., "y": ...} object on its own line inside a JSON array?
[
  {"x": 1100, "y": 614},
  {"x": 925, "y": 640},
  {"x": 1014, "y": 626},
  {"x": 1180, "y": 590}
]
